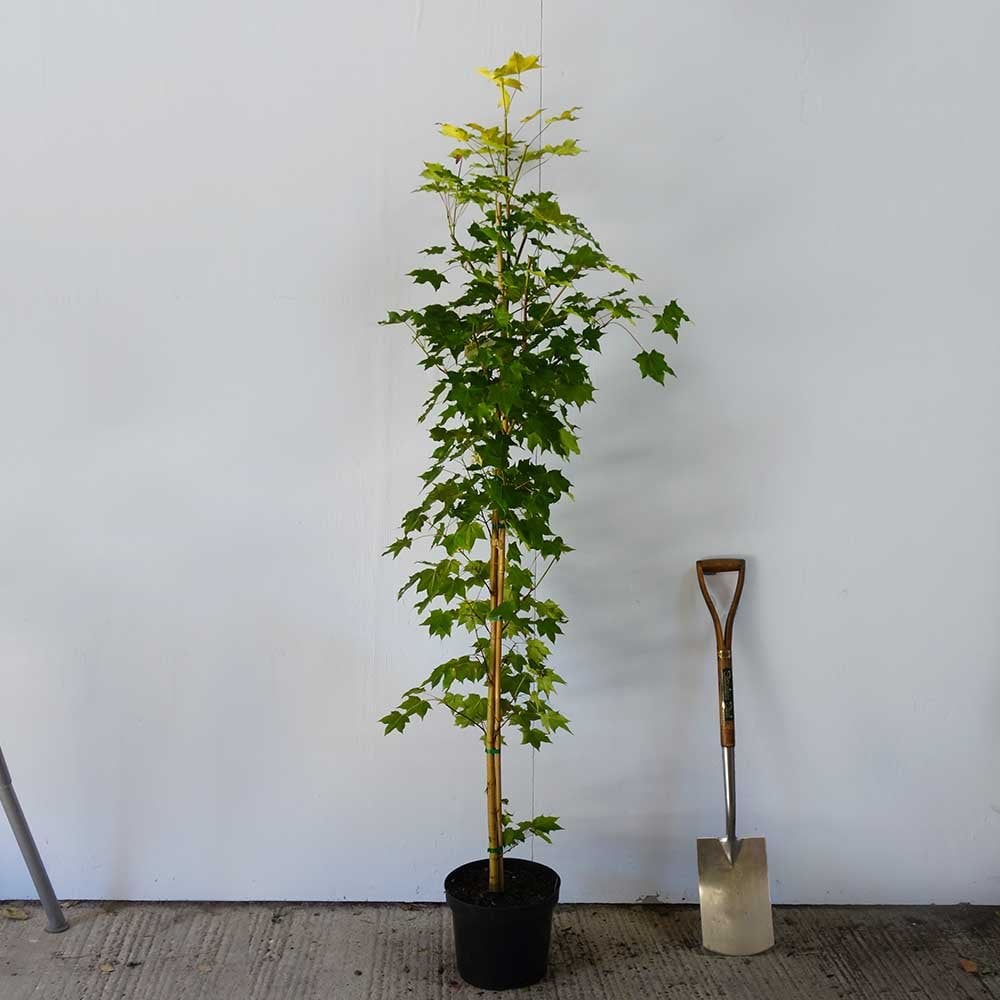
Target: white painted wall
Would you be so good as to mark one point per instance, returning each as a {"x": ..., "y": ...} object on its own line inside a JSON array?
[{"x": 207, "y": 441}]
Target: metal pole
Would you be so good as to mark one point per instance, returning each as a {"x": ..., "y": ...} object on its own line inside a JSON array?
[
  {"x": 729, "y": 843},
  {"x": 15, "y": 815}
]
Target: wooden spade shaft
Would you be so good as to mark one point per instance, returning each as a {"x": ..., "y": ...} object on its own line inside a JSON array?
[{"x": 723, "y": 639}]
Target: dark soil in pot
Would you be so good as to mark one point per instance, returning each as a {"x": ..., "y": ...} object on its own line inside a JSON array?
[{"x": 502, "y": 939}]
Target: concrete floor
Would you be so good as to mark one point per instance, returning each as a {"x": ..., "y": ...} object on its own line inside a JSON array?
[{"x": 169, "y": 951}]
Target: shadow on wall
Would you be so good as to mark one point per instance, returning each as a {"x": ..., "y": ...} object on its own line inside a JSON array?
[
  {"x": 661, "y": 481},
  {"x": 653, "y": 495}
]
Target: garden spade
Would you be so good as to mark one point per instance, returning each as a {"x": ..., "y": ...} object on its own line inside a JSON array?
[{"x": 732, "y": 873}]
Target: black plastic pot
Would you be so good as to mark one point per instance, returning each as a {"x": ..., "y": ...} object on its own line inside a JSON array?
[{"x": 502, "y": 947}]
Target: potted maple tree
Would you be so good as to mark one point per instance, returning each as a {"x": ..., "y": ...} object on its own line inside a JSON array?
[{"x": 508, "y": 355}]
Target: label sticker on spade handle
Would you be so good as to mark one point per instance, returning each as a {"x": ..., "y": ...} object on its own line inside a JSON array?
[{"x": 727, "y": 718}]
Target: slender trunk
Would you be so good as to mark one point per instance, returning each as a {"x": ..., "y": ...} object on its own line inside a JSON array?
[
  {"x": 498, "y": 571},
  {"x": 494, "y": 786}
]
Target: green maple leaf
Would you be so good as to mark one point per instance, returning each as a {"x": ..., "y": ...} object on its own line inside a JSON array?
[
  {"x": 653, "y": 365},
  {"x": 670, "y": 319},
  {"x": 427, "y": 276},
  {"x": 439, "y": 622}
]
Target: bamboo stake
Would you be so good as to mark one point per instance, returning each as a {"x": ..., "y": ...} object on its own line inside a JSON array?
[
  {"x": 498, "y": 691},
  {"x": 494, "y": 787},
  {"x": 498, "y": 557},
  {"x": 496, "y": 870}
]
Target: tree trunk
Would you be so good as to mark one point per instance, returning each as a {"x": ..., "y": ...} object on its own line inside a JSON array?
[{"x": 494, "y": 786}]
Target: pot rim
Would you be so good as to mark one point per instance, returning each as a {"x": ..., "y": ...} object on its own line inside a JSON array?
[{"x": 548, "y": 901}]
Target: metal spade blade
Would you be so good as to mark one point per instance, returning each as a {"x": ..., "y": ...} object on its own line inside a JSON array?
[{"x": 735, "y": 897}]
